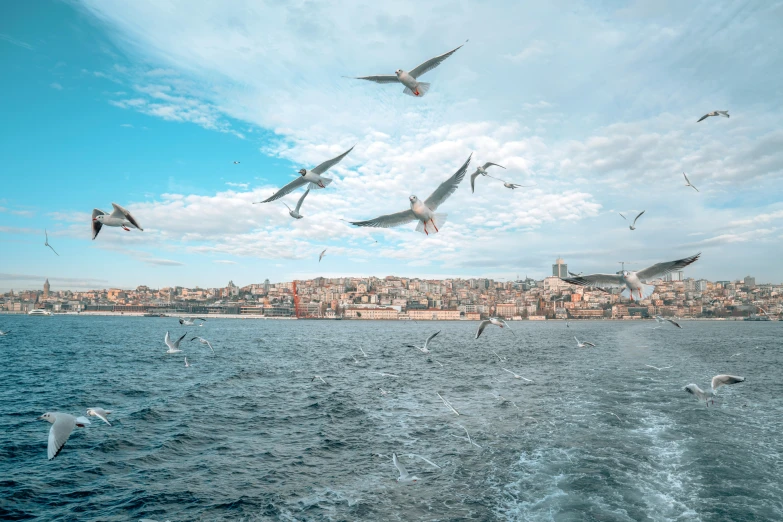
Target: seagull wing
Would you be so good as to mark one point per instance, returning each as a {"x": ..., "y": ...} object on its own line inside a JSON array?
[
  {"x": 301, "y": 200},
  {"x": 473, "y": 181},
  {"x": 120, "y": 212},
  {"x": 399, "y": 466},
  {"x": 481, "y": 328},
  {"x": 638, "y": 216},
  {"x": 509, "y": 328},
  {"x": 59, "y": 433},
  {"x": 694, "y": 389},
  {"x": 326, "y": 165},
  {"x": 490, "y": 164},
  {"x": 167, "y": 340},
  {"x": 594, "y": 279},
  {"x": 96, "y": 225},
  {"x": 388, "y": 220},
  {"x": 623, "y": 217},
  {"x": 425, "y": 460},
  {"x": 210, "y": 345},
  {"x": 430, "y": 338},
  {"x": 176, "y": 344},
  {"x": 588, "y": 344},
  {"x": 295, "y": 184},
  {"x": 448, "y": 187},
  {"x": 703, "y": 118},
  {"x": 53, "y": 250},
  {"x": 378, "y": 78},
  {"x": 720, "y": 380},
  {"x": 432, "y": 63},
  {"x": 675, "y": 323},
  {"x": 100, "y": 414},
  {"x": 694, "y": 188},
  {"x": 686, "y": 179},
  {"x": 661, "y": 269}
]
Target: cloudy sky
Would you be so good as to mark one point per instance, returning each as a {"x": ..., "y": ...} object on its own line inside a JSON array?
[{"x": 148, "y": 103}]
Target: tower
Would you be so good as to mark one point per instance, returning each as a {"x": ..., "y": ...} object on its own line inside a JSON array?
[
  {"x": 46, "y": 289},
  {"x": 560, "y": 268}
]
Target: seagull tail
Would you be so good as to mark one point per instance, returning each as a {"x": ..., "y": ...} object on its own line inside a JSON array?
[
  {"x": 437, "y": 219},
  {"x": 421, "y": 89},
  {"x": 325, "y": 181}
]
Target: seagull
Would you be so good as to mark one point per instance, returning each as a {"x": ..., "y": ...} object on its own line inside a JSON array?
[
  {"x": 514, "y": 185},
  {"x": 236, "y": 163},
  {"x": 409, "y": 79},
  {"x": 386, "y": 374},
  {"x": 424, "y": 349},
  {"x": 190, "y": 321},
  {"x": 322, "y": 255},
  {"x": 173, "y": 345},
  {"x": 447, "y": 403},
  {"x": 5, "y": 333},
  {"x": 688, "y": 183},
  {"x": 661, "y": 319},
  {"x": 633, "y": 281},
  {"x": 583, "y": 344},
  {"x": 295, "y": 212},
  {"x": 725, "y": 114},
  {"x": 311, "y": 176},
  {"x": 383, "y": 392},
  {"x": 363, "y": 352},
  {"x": 496, "y": 355},
  {"x": 404, "y": 477},
  {"x": 736, "y": 354},
  {"x": 100, "y": 413},
  {"x": 483, "y": 171},
  {"x": 717, "y": 382},
  {"x": 492, "y": 320},
  {"x": 424, "y": 212},
  {"x": 62, "y": 426},
  {"x": 203, "y": 341},
  {"x": 187, "y": 365},
  {"x": 516, "y": 376},
  {"x": 318, "y": 377},
  {"x": 656, "y": 368},
  {"x": 575, "y": 275},
  {"x": 633, "y": 225},
  {"x": 47, "y": 243},
  {"x": 118, "y": 218},
  {"x": 468, "y": 434}
]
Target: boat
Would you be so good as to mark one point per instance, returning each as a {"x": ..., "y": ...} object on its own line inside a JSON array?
[
  {"x": 153, "y": 314},
  {"x": 39, "y": 311},
  {"x": 757, "y": 317}
]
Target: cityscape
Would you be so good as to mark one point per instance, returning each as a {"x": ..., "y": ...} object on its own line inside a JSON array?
[{"x": 405, "y": 298}]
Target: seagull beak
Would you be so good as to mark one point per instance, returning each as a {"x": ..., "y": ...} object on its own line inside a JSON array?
[{"x": 40, "y": 418}]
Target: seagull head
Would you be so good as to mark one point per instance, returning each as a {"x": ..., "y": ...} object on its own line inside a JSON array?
[
  {"x": 398, "y": 72},
  {"x": 413, "y": 199},
  {"x": 47, "y": 417},
  {"x": 302, "y": 172},
  {"x": 99, "y": 219},
  {"x": 626, "y": 273}
]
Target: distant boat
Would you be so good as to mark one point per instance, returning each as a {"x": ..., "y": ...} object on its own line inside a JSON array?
[
  {"x": 757, "y": 317},
  {"x": 39, "y": 311},
  {"x": 152, "y": 314}
]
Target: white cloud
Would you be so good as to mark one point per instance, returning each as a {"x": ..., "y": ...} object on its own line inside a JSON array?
[
  {"x": 536, "y": 48},
  {"x": 224, "y": 262},
  {"x": 55, "y": 85},
  {"x": 14, "y": 41}
]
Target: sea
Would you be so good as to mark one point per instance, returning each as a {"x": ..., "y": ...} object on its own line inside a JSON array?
[{"x": 246, "y": 434}]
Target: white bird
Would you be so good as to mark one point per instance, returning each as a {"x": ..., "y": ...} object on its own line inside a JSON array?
[
  {"x": 468, "y": 434},
  {"x": 383, "y": 392},
  {"x": 173, "y": 345},
  {"x": 363, "y": 352},
  {"x": 717, "y": 382},
  {"x": 413, "y": 87},
  {"x": 662, "y": 319},
  {"x": 295, "y": 212},
  {"x": 425, "y": 348},
  {"x": 633, "y": 225},
  {"x": 5, "y": 333},
  {"x": 404, "y": 477},
  {"x": 322, "y": 255},
  {"x": 236, "y": 163},
  {"x": 308, "y": 176},
  {"x": 514, "y": 185},
  {"x": 499, "y": 357},
  {"x": 47, "y": 243},
  {"x": 656, "y": 368},
  {"x": 190, "y": 321},
  {"x": 736, "y": 354},
  {"x": 482, "y": 169},
  {"x": 118, "y": 218},
  {"x": 318, "y": 377},
  {"x": 100, "y": 413},
  {"x": 423, "y": 212},
  {"x": 516, "y": 376},
  {"x": 492, "y": 320},
  {"x": 580, "y": 344},
  {"x": 386, "y": 374},
  {"x": 187, "y": 364},
  {"x": 725, "y": 114},
  {"x": 633, "y": 281},
  {"x": 688, "y": 183},
  {"x": 203, "y": 341},
  {"x": 447, "y": 403},
  {"x": 62, "y": 426}
]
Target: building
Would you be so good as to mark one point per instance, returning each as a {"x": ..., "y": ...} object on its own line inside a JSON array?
[
  {"x": 673, "y": 276},
  {"x": 434, "y": 314},
  {"x": 372, "y": 313},
  {"x": 560, "y": 268},
  {"x": 46, "y": 289},
  {"x": 750, "y": 282}
]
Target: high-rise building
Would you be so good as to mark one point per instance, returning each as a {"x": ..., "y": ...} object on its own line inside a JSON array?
[
  {"x": 266, "y": 286},
  {"x": 673, "y": 276},
  {"x": 46, "y": 289},
  {"x": 560, "y": 268},
  {"x": 750, "y": 282}
]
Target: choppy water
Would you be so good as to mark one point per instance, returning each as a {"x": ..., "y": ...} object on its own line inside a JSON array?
[{"x": 246, "y": 435}]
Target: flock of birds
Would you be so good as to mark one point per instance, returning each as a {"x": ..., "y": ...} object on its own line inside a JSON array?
[{"x": 429, "y": 222}]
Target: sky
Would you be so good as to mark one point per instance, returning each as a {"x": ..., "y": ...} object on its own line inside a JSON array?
[{"x": 148, "y": 104}]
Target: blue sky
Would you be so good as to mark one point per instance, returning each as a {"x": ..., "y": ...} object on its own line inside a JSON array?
[{"x": 148, "y": 104}]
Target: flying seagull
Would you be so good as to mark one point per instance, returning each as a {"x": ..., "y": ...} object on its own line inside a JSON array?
[
  {"x": 425, "y": 348},
  {"x": 423, "y": 212},
  {"x": 656, "y": 368},
  {"x": 62, "y": 426},
  {"x": 410, "y": 79},
  {"x": 492, "y": 320},
  {"x": 100, "y": 413},
  {"x": 173, "y": 345},
  {"x": 581, "y": 344},
  {"x": 512, "y": 186},
  {"x": 447, "y": 403},
  {"x": 190, "y": 321},
  {"x": 203, "y": 341},
  {"x": 633, "y": 225},
  {"x": 318, "y": 377},
  {"x": 187, "y": 364},
  {"x": 404, "y": 477},
  {"x": 688, "y": 183},
  {"x": 725, "y": 114},
  {"x": 661, "y": 319},
  {"x": 483, "y": 171},
  {"x": 311, "y": 176},
  {"x": 633, "y": 281},
  {"x": 322, "y": 255},
  {"x": 47, "y": 243},
  {"x": 516, "y": 376},
  {"x": 5, "y": 333},
  {"x": 295, "y": 213},
  {"x": 118, "y": 218},
  {"x": 717, "y": 382},
  {"x": 236, "y": 163}
]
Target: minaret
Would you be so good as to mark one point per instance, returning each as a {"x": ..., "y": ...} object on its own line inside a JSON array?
[{"x": 46, "y": 289}]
